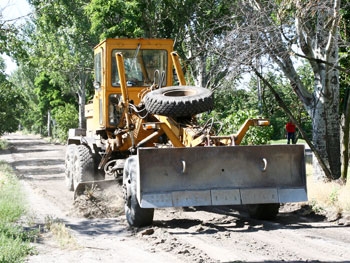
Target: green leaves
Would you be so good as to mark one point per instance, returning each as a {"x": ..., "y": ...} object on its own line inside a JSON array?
[
  {"x": 12, "y": 107},
  {"x": 116, "y": 18},
  {"x": 65, "y": 117},
  {"x": 50, "y": 98}
]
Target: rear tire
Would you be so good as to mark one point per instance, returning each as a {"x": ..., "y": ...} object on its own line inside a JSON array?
[
  {"x": 83, "y": 165},
  {"x": 263, "y": 211},
  {"x": 68, "y": 165},
  {"x": 135, "y": 215}
]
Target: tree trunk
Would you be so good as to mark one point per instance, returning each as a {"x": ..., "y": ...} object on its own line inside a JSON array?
[
  {"x": 345, "y": 136},
  {"x": 81, "y": 93},
  {"x": 201, "y": 72},
  {"x": 326, "y": 127},
  {"x": 316, "y": 35},
  {"x": 325, "y": 114},
  {"x": 49, "y": 123},
  {"x": 318, "y": 41},
  {"x": 82, "y": 100}
]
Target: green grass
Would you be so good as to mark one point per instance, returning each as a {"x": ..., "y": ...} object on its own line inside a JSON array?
[
  {"x": 14, "y": 240},
  {"x": 3, "y": 144},
  {"x": 284, "y": 141}
]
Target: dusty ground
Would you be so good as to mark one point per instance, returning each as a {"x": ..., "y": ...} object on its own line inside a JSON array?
[{"x": 216, "y": 234}]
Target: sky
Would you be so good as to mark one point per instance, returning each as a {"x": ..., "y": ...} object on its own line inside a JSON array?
[{"x": 13, "y": 9}]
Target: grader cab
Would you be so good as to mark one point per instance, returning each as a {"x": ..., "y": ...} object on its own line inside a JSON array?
[{"x": 141, "y": 128}]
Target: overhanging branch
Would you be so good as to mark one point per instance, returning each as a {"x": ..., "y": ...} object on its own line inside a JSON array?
[
  {"x": 290, "y": 115},
  {"x": 317, "y": 60}
]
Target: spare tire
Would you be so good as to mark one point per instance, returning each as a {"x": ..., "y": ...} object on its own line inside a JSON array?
[{"x": 179, "y": 101}]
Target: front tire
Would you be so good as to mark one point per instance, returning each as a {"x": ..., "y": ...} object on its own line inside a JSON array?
[
  {"x": 68, "y": 165},
  {"x": 263, "y": 211},
  {"x": 83, "y": 164},
  {"x": 136, "y": 216}
]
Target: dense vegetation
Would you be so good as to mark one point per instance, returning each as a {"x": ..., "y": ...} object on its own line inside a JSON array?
[
  {"x": 14, "y": 241},
  {"x": 221, "y": 42}
]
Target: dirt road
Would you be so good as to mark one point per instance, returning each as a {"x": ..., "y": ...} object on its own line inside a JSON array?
[{"x": 216, "y": 234}]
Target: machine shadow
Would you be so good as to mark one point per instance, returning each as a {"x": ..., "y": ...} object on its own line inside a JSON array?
[{"x": 236, "y": 219}]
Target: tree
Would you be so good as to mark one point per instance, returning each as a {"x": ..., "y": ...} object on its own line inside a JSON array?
[
  {"x": 10, "y": 37},
  {"x": 220, "y": 39},
  {"x": 185, "y": 21},
  {"x": 275, "y": 112},
  {"x": 49, "y": 98},
  {"x": 232, "y": 108},
  {"x": 269, "y": 32},
  {"x": 344, "y": 88},
  {"x": 62, "y": 47},
  {"x": 65, "y": 117},
  {"x": 12, "y": 103},
  {"x": 140, "y": 18},
  {"x": 319, "y": 43},
  {"x": 116, "y": 18}
]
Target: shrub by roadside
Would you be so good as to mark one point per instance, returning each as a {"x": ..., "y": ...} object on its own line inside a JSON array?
[
  {"x": 3, "y": 144},
  {"x": 14, "y": 240},
  {"x": 331, "y": 199}
]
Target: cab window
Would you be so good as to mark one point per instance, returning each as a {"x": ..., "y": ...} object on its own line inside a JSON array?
[
  {"x": 142, "y": 67},
  {"x": 98, "y": 67}
]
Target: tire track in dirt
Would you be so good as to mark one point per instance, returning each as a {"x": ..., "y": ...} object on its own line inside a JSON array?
[{"x": 207, "y": 234}]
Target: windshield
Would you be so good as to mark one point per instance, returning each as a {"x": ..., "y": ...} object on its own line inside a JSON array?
[
  {"x": 142, "y": 67},
  {"x": 98, "y": 67}
]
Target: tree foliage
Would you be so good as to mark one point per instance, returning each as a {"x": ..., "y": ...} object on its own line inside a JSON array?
[
  {"x": 265, "y": 34},
  {"x": 65, "y": 118},
  {"x": 219, "y": 40},
  {"x": 12, "y": 103},
  {"x": 62, "y": 47},
  {"x": 11, "y": 39},
  {"x": 116, "y": 18},
  {"x": 51, "y": 103}
]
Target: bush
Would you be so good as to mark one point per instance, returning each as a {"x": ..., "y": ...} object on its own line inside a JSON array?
[
  {"x": 12, "y": 107},
  {"x": 65, "y": 118},
  {"x": 3, "y": 144},
  {"x": 254, "y": 136}
]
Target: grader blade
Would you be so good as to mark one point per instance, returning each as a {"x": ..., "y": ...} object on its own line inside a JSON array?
[
  {"x": 89, "y": 187},
  {"x": 228, "y": 175}
]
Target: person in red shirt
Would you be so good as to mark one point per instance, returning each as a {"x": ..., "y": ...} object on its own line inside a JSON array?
[{"x": 290, "y": 128}]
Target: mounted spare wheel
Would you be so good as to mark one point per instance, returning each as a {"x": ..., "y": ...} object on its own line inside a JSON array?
[{"x": 179, "y": 101}]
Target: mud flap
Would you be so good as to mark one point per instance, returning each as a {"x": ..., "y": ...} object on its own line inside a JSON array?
[{"x": 201, "y": 176}]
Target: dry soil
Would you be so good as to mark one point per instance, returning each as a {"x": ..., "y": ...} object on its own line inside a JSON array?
[{"x": 98, "y": 231}]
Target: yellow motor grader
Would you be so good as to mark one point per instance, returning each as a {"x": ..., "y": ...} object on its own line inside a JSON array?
[{"x": 141, "y": 128}]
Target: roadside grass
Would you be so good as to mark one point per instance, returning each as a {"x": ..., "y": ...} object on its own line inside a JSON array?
[
  {"x": 324, "y": 196},
  {"x": 14, "y": 240},
  {"x": 284, "y": 141},
  {"x": 327, "y": 195},
  {"x": 61, "y": 233},
  {"x": 3, "y": 144}
]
